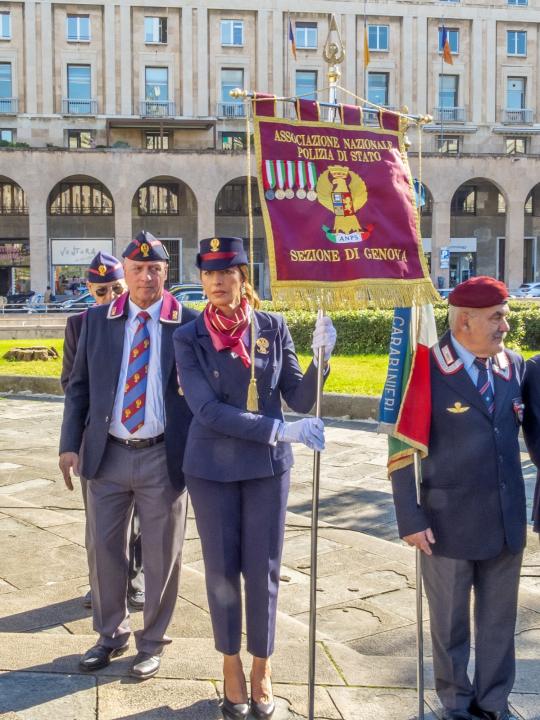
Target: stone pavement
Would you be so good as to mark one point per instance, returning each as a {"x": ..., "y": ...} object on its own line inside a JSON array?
[{"x": 366, "y": 597}]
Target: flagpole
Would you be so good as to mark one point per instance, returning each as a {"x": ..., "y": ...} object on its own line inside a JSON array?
[
  {"x": 441, "y": 110},
  {"x": 418, "y": 557},
  {"x": 364, "y": 53}
]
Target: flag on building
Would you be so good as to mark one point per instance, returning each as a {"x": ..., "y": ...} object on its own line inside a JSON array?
[
  {"x": 366, "y": 47},
  {"x": 445, "y": 47},
  {"x": 292, "y": 39},
  {"x": 405, "y": 411}
]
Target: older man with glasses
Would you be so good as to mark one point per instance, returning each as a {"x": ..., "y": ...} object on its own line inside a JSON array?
[{"x": 105, "y": 282}]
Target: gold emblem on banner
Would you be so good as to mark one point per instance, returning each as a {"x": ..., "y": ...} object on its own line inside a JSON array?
[
  {"x": 344, "y": 193},
  {"x": 262, "y": 345},
  {"x": 458, "y": 408},
  {"x": 214, "y": 244}
]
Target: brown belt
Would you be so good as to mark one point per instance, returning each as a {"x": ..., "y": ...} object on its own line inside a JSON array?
[{"x": 137, "y": 444}]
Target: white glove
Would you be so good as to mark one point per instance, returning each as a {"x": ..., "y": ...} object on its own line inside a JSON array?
[
  {"x": 325, "y": 336},
  {"x": 309, "y": 431}
]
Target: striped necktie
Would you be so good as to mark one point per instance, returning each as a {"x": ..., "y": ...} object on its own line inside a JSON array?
[
  {"x": 133, "y": 406},
  {"x": 483, "y": 384}
]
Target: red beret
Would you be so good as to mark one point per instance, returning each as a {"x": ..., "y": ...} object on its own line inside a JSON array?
[{"x": 479, "y": 292}]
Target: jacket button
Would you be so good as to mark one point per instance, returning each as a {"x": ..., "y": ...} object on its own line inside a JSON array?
[
  {"x": 502, "y": 484},
  {"x": 107, "y": 419},
  {"x": 496, "y": 430},
  {"x": 501, "y": 459},
  {"x": 216, "y": 373}
]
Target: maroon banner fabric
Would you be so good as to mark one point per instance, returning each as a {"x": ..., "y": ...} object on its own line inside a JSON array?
[
  {"x": 307, "y": 110},
  {"x": 351, "y": 114},
  {"x": 264, "y": 105}
]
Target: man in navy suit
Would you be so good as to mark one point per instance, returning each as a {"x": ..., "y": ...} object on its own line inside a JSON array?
[
  {"x": 470, "y": 523},
  {"x": 124, "y": 428}
]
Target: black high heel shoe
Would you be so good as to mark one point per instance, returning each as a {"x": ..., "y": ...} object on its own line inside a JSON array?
[
  {"x": 233, "y": 711},
  {"x": 261, "y": 710}
]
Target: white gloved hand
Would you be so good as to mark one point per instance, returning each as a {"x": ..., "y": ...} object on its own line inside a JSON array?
[
  {"x": 325, "y": 336},
  {"x": 309, "y": 431}
]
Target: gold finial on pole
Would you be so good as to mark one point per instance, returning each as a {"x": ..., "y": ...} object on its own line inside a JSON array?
[{"x": 333, "y": 54}]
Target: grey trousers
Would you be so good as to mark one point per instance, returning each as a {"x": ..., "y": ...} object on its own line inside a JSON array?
[
  {"x": 448, "y": 583},
  {"x": 126, "y": 477}
]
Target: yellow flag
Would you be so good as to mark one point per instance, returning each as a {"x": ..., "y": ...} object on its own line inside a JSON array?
[{"x": 366, "y": 48}]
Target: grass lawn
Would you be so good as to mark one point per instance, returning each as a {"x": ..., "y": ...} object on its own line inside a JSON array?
[{"x": 354, "y": 374}]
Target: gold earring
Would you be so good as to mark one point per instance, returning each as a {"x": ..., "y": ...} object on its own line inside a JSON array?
[{"x": 243, "y": 290}]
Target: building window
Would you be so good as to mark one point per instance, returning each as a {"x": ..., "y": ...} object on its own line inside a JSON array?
[
  {"x": 453, "y": 40},
  {"x": 156, "y": 84},
  {"x": 448, "y": 91},
  {"x": 79, "y": 86},
  {"x": 516, "y": 145},
  {"x": 501, "y": 204},
  {"x": 7, "y": 135},
  {"x": 12, "y": 199},
  {"x": 232, "y": 199},
  {"x": 232, "y": 33},
  {"x": 5, "y": 80},
  {"x": 464, "y": 201},
  {"x": 516, "y": 42},
  {"x": 515, "y": 93},
  {"x": 158, "y": 199},
  {"x": 305, "y": 34},
  {"x": 518, "y": 2},
  {"x": 80, "y": 139},
  {"x": 5, "y": 26},
  {"x": 306, "y": 84},
  {"x": 153, "y": 140},
  {"x": 529, "y": 207},
  {"x": 378, "y": 88},
  {"x": 378, "y": 37},
  {"x": 81, "y": 199},
  {"x": 155, "y": 30},
  {"x": 78, "y": 28},
  {"x": 448, "y": 144},
  {"x": 233, "y": 140},
  {"x": 231, "y": 78}
]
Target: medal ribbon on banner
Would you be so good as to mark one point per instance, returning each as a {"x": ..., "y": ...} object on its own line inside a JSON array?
[
  {"x": 301, "y": 180},
  {"x": 269, "y": 180},
  {"x": 280, "y": 175},
  {"x": 291, "y": 176},
  {"x": 312, "y": 181}
]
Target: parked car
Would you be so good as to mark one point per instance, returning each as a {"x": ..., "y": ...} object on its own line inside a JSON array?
[
  {"x": 444, "y": 292},
  {"x": 526, "y": 290},
  {"x": 192, "y": 294},
  {"x": 77, "y": 304}
]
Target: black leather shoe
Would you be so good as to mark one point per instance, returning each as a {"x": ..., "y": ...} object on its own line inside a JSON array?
[
  {"x": 136, "y": 599},
  {"x": 100, "y": 656},
  {"x": 457, "y": 715},
  {"x": 233, "y": 711},
  {"x": 263, "y": 711},
  {"x": 145, "y": 665}
]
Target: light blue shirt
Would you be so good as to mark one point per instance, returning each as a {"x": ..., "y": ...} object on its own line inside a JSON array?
[
  {"x": 154, "y": 414},
  {"x": 468, "y": 359}
]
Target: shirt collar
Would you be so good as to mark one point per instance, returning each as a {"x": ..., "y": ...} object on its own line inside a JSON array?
[
  {"x": 465, "y": 355},
  {"x": 154, "y": 310}
]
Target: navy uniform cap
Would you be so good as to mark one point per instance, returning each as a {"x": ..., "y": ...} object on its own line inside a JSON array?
[
  {"x": 220, "y": 253},
  {"x": 104, "y": 268},
  {"x": 145, "y": 247}
]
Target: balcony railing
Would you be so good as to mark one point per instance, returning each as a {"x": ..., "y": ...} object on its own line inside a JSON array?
[
  {"x": 79, "y": 107},
  {"x": 449, "y": 114},
  {"x": 523, "y": 116},
  {"x": 9, "y": 106},
  {"x": 231, "y": 110},
  {"x": 157, "y": 108}
]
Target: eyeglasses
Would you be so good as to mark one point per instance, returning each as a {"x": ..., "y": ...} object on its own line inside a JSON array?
[{"x": 102, "y": 291}]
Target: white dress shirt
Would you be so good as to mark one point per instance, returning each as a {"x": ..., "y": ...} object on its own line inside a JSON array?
[
  {"x": 468, "y": 359},
  {"x": 154, "y": 415}
]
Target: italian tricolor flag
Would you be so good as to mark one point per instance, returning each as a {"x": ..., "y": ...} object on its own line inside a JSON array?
[{"x": 411, "y": 429}]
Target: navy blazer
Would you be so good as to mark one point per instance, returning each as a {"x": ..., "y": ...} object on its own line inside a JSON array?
[
  {"x": 225, "y": 441},
  {"x": 472, "y": 494},
  {"x": 71, "y": 339},
  {"x": 92, "y": 387},
  {"x": 531, "y": 426}
]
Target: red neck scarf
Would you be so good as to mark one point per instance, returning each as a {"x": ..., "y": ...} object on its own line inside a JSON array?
[{"x": 227, "y": 332}]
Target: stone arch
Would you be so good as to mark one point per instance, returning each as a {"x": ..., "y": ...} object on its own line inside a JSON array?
[
  {"x": 14, "y": 238},
  {"x": 531, "y": 235},
  {"x": 166, "y": 206}
]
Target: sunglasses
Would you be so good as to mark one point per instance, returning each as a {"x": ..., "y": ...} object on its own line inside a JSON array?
[{"x": 102, "y": 291}]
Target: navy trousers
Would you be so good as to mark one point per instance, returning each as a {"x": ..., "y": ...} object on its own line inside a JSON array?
[{"x": 241, "y": 526}]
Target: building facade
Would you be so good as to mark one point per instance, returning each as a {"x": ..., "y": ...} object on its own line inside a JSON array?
[{"x": 116, "y": 116}]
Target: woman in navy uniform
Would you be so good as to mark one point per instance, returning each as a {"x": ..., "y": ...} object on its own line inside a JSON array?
[{"x": 237, "y": 463}]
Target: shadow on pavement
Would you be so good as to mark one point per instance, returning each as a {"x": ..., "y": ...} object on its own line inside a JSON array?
[{"x": 48, "y": 616}]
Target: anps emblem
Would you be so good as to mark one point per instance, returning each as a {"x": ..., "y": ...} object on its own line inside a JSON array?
[
  {"x": 262, "y": 345},
  {"x": 214, "y": 244},
  {"x": 458, "y": 408},
  {"x": 102, "y": 270},
  {"x": 145, "y": 249}
]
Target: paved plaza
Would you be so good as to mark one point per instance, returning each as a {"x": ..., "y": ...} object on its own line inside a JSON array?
[{"x": 366, "y": 665}]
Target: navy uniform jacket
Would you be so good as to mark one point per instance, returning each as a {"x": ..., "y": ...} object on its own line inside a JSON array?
[
  {"x": 225, "y": 441},
  {"x": 71, "y": 339},
  {"x": 531, "y": 425},
  {"x": 473, "y": 495},
  {"x": 92, "y": 387}
]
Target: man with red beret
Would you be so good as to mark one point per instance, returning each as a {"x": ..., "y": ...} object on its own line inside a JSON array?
[{"x": 471, "y": 521}]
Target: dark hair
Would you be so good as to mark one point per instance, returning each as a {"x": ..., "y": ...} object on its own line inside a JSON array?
[{"x": 250, "y": 293}]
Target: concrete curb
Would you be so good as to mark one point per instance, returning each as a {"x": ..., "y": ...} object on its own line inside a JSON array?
[{"x": 355, "y": 407}]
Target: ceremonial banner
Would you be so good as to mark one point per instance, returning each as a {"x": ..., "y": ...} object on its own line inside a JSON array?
[{"x": 339, "y": 210}]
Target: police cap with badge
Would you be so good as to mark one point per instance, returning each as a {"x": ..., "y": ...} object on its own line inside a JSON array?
[
  {"x": 220, "y": 253},
  {"x": 104, "y": 268},
  {"x": 146, "y": 248}
]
